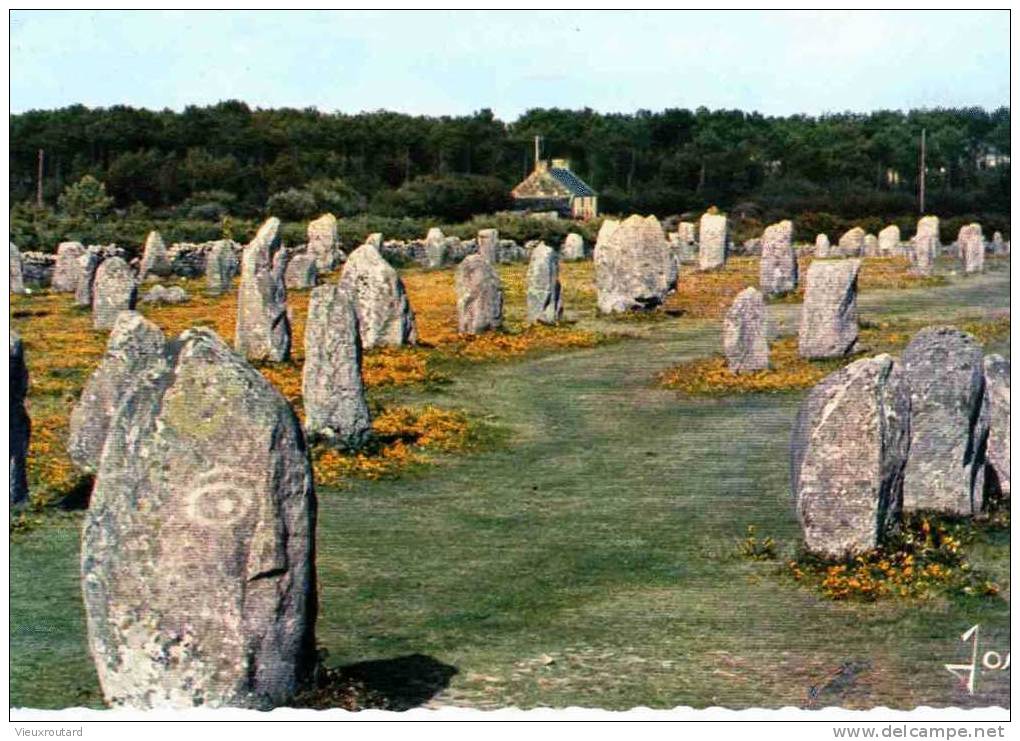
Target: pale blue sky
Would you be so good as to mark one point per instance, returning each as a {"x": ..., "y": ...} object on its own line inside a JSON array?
[{"x": 457, "y": 62}]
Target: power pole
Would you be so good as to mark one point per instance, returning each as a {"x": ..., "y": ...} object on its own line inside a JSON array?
[
  {"x": 538, "y": 149},
  {"x": 921, "y": 179},
  {"x": 38, "y": 182}
]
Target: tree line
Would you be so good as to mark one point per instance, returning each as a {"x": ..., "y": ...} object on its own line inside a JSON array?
[{"x": 229, "y": 159}]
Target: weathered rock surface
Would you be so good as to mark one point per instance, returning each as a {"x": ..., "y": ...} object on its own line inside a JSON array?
[
  {"x": 848, "y": 452},
  {"x": 385, "y": 317},
  {"x": 263, "y": 327},
  {"x": 928, "y": 226},
  {"x": 65, "y": 273},
  {"x": 488, "y": 244},
  {"x": 479, "y": 296},
  {"x": 713, "y": 233},
  {"x": 745, "y": 340},
  {"x": 220, "y": 266},
  {"x": 17, "y": 271},
  {"x": 870, "y": 248},
  {"x": 923, "y": 250},
  {"x": 302, "y": 272},
  {"x": 972, "y": 248},
  {"x": 155, "y": 262},
  {"x": 20, "y": 428},
  {"x": 160, "y": 294},
  {"x": 822, "y": 247},
  {"x": 544, "y": 298},
  {"x": 323, "y": 242},
  {"x": 435, "y": 248},
  {"x": 374, "y": 239},
  {"x": 135, "y": 346},
  {"x": 851, "y": 244},
  {"x": 332, "y": 389},
  {"x": 997, "y": 455},
  {"x": 606, "y": 230},
  {"x": 828, "y": 317},
  {"x": 88, "y": 264},
  {"x": 949, "y": 422},
  {"x": 197, "y": 560},
  {"x": 114, "y": 290},
  {"x": 778, "y": 265},
  {"x": 573, "y": 247},
  {"x": 889, "y": 240},
  {"x": 634, "y": 267}
]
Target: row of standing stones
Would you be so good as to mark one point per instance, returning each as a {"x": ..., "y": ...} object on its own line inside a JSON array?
[{"x": 198, "y": 547}]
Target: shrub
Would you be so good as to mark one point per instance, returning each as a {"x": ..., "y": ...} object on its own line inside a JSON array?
[{"x": 85, "y": 199}]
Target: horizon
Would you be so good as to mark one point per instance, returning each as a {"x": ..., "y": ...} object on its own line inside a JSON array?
[{"x": 441, "y": 63}]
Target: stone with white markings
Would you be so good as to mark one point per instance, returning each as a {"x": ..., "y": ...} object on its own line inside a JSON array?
[
  {"x": 385, "y": 318},
  {"x": 745, "y": 340},
  {"x": 828, "y": 317},
  {"x": 479, "y": 296}
]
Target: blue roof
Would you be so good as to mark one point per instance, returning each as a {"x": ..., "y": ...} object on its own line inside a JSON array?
[{"x": 571, "y": 182}]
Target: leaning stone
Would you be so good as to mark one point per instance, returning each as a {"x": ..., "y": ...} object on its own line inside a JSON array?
[
  {"x": 744, "y": 333},
  {"x": 197, "y": 561},
  {"x": 479, "y": 296},
  {"x": 21, "y": 425},
  {"x": 823, "y": 249},
  {"x": 870, "y": 248},
  {"x": 972, "y": 248},
  {"x": 544, "y": 299},
  {"x": 828, "y": 317},
  {"x": 331, "y": 387},
  {"x": 634, "y": 267},
  {"x": 712, "y": 236},
  {"x": 948, "y": 420},
  {"x": 997, "y": 390},
  {"x": 88, "y": 264},
  {"x": 573, "y": 247},
  {"x": 135, "y": 346},
  {"x": 778, "y": 265},
  {"x": 155, "y": 263},
  {"x": 851, "y": 244},
  {"x": 220, "y": 267},
  {"x": 323, "y": 242},
  {"x": 17, "y": 271},
  {"x": 488, "y": 244},
  {"x": 302, "y": 272},
  {"x": 385, "y": 317},
  {"x": 65, "y": 272},
  {"x": 263, "y": 327},
  {"x": 848, "y": 452},
  {"x": 889, "y": 240},
  {"x": 114, "y": 290}
]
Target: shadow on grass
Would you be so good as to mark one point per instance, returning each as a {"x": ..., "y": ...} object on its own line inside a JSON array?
[{"x": 395, "y": 684}]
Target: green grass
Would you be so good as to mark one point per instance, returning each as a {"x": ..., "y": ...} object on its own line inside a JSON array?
[{"x": 591, "y": 557}]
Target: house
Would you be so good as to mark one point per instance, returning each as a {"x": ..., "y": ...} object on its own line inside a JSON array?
[{"x": 553, "y": 186}]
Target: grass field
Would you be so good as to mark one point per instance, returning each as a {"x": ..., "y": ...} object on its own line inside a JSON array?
[{"x": 589, "y": 554}]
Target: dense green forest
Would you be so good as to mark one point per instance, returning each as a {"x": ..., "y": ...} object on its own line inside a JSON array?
[{"x": 208, "y": 162}]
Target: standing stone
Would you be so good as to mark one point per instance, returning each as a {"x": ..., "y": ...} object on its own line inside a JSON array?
[
  {"x": 634, "y": 267},
  {"x": 334, "y": 395},
  {"x": 889, "y": 240},
  {"x": 385, "y": 317},
  {"x": 65, "y": 272},
  {"x": 197, "y": 562},
  {"x": 17, "y": 271},
  {"x": 479, "y": 295},
  {"x": 685, "y": 232},
  {"x": 972, "y": 248},
  {"x": 606, "y": 230},
  {"x": 823, "y": 249},
  {"x": 870, "y": 248},
  {"x": 323, "y": 242},
  {"x": 712, "y": 235},
  {"x": 997, "y": 243},
  {"x": 88, "y": 264},
  {"x": 848, "y": 452},
  {"x": 997, "y": 390},
  {"x": 21, "y": 426},
  {"x": 135, "y": 346},
  {"x": 263, "y": 328},
  {"x": 220, "y": 267},
  {"x": 544, "y": 299},
  {"x": 114, "y": 290},
  {"x": 778, "y": 266},
  {"x": 302, "y": 272},
  {"x": 948, "y": 420},
  {"x": 851, "y": 244},
  {"x": 922, "y": 255},
  {"x": 573, "y": 247},
  {"x": 155, "y": 263},
  {"x": 828, "y": 318},
  {"x": 488, "y": 244},
  {"x": 744, "y": 333},
  {"x": 435, "y": 248},
  {"x": 928, "y": 226},
  {"x": 374, "y": 239}
]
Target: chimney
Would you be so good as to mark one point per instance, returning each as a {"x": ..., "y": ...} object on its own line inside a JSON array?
[{"x": 561, "y": 164}]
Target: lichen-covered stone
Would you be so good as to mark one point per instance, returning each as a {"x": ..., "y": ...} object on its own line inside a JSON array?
[
  {"x": 17, "y": 271},
  {"x": 851, "y": 244},
  {"x": 323, "y": 242},
  {"x": 828, "y": 317},
  {"x": 713, "y": 233},
  {"x": 488, "y": 244},
  {"x": 949, "y": 422},
  {"x": 848, "y": 452},
  {"x": 221, "y": 266},
  {"x": 385, "y": 318},
  {"x": 332, "y": 388},
  {"x": 21, "y": 426},
  {"x": 197, "y": 559},
  {"x": 88, "y": 264},
  {"x": 634, "y": 267},
  {"x": 544, "y": 298},
  {"x": 263, "y": 327},
  {"x": 135, "y": 346},
  {"x": 745, "y": 340},
  {"x": 302, "y": 272},
  {"x": 778, "y": 265},
  {"x": 65, "y": 272},
  {"x": 479, "y": 296},
  {"x": 573, "y": 247},
  {"x": 997, "y": 455},
  {"x": 114, "y": 290},
  {"x": 155, "y": 262}
]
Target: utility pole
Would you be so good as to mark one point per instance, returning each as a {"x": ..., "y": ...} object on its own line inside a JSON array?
[
  {"x": 38, "y": 182},
  {"x": 538, "y": 149},
  {"x": 921, "y": 178}
]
